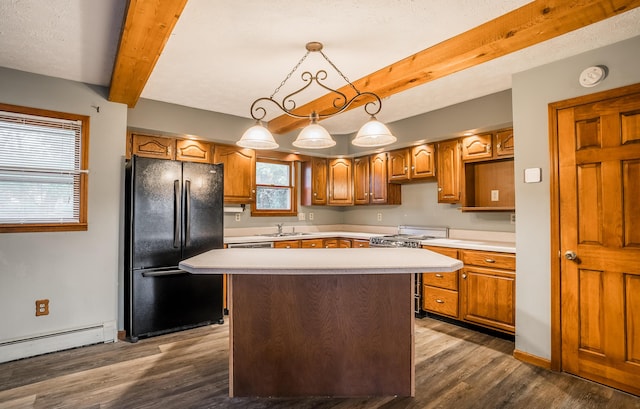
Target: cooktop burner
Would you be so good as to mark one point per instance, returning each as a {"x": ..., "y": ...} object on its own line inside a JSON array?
[{"x": 409, "y": 236}]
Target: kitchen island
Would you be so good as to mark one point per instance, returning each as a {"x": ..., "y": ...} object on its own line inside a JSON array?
[{"x": 321, "y": 322}]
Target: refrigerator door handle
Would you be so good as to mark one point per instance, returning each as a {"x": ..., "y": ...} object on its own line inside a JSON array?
[
  {"x": 187, "y": 213},
  {"x": 176, "y": 214},
  {"x": 164, "y": 273}
]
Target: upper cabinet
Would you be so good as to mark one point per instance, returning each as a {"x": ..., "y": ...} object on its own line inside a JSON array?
[
  {"x": 239, "y": 173},
  {"x": 491, "y": 145},
  {"x": 340, "y": 183},
  {"x": 151, "y": 146},
  {"x": 448, "y": 171},
  {"x": 488, "y": 181},
  {"x": 314, "y": 182},
  {"x": 194, "y": 151},
  {"x": 504, "y": 143},
  {"x": 412, "y": 164},
  {"x": 370, "y": 181}
]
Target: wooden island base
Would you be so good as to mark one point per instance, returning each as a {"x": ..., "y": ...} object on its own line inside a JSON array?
[{"x": 321, "y": 335}]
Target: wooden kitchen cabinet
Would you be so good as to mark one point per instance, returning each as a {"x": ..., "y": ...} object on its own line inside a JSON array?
[
  {"x": 440, "y": 290},
  {"x": 151, "y": 146},
  {"x": 189, "y": 150},
  {"x": 477, "y": 147},
  {"x": 504, "y": 143},
  {"x": 287, "y": 244},
  {"x": 340, "y": 182},
  {"x": 490, "y": 145},
  {"x": 312, "y": 243},
  {"x": 412, "y": 164},
  {"x": 239, "y": 173},
  {"x": 370, "y": 182},
  {"x": 488, "y": 181},
  {"x": 337, "y": 243},
  {"x": 314, "y": 182},
  {"x": 448, "y": 171},
  {"x": 358, "y": 243},
  {"x": 487, "y": 289}
]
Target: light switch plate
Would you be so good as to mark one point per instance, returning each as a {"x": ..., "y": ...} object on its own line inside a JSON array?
[{"x": 532, "y": 175}]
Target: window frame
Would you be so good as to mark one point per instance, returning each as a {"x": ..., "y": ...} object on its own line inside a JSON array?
[
  {"x": 293, "y": 166},
  {"x": 82, "y": 186}
]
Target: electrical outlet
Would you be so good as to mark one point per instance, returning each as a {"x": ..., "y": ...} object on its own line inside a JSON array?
[
  {"x": 495, "y": 195},
  {"x": 513, "y": 218},
  {"x": 42, "y": 307},
  {"x": 301, "y": 216},
  {"x": 379, "y": 217},
  {"x": 237, "y": 217},
  {"x": 310, "y": 215}
]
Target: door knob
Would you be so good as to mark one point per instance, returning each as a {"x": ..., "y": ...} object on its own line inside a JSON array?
[{"x": 570, "y": 255}]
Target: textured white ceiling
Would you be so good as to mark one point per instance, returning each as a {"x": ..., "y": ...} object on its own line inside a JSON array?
[{"x": 224, "y": 54}]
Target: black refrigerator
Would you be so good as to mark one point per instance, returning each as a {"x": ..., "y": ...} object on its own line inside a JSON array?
[{"x": 173, "y": 211}]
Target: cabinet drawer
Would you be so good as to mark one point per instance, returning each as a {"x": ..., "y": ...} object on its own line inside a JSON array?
[
  {"x": 445, "y": 251},
  {"x": 505, "y": 261},
  {"x": 440, "y": 301},
  {"x": 287, "y": 244},
  {"x": 442, "y": 280},
  {"x": 312, "y": 243}
]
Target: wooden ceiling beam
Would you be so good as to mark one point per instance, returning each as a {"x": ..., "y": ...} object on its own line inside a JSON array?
[
  {"x": 528, "y": 25},
  {"x": 147, "y": 27}
]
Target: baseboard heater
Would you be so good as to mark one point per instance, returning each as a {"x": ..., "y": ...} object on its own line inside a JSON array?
[{"x": 57, "y": 341}]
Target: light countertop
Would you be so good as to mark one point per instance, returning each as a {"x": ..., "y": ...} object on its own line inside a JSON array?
[
  {"x": 319, "y": 261},
  {"x": 471, "y": 244}
]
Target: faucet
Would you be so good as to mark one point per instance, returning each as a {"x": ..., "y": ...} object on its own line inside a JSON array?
[{"x": 279, "y": 226}]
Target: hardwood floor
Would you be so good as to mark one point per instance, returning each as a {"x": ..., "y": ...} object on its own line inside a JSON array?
[{"x": 455, "y": 368}]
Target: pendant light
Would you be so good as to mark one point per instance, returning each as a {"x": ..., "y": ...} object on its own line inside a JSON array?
[{"x": 313, "y": 136}]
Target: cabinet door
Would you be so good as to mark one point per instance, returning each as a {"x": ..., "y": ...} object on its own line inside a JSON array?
[
  {"x": 153, "y": 146},
  {"x": 312, "y": 243},
  {"x": 488, "y": 297},
  {"x": 378, "y": 179},
  {"x": 423, "y": 161},
  {"x": 344, "y": 243},
  {"x": 448, "y": 173},
  {"x": 239, "y": 173},
  {"x": 398, "y": 165},
  {"x": 286, "y": 244},
  {"x": 504, "y": 144},
  {"x": 331, "y": 243},
  {"x": 476, "y": 147},
  {"x": 360, "y": 244},
  {"x": 361, "y": 180},
  {"x": 193, "y": 151},
  {"x": 319, "y": 181},
  {"x": 340, "y": 182}
]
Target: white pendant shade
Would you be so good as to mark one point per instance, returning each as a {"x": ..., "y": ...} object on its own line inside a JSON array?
[
  {"x": 373, "y": 133},
  {"x": 314, "y": 136},
  {"x": 257, "y": 137}
]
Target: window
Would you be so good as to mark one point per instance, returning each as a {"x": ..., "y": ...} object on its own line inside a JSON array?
[
  {"x": 43, "y": 170},
  {"x": 275, "y": 190}
]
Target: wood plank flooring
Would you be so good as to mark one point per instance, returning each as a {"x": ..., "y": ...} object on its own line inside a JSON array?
[{"x": 455, "y": 368}]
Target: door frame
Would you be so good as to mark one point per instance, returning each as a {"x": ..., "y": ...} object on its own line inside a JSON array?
[{"x": 556, "y": 273}]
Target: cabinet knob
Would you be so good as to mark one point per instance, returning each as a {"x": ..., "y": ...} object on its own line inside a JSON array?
[
  {"x": 439, "y": 275},
  {"x": 288, "y": 247},
  {"x": 413, "y": 168},
  {"x": 313, "y": 244},
  {"x": 489, "y": 260},
  {"x": 406, "y": 168},
  {"x": 315, "y": 194},
  {"x": 439, "y": 301},
  {"x": 464, "y": 276},
  {"x": 439, "y": 189}
]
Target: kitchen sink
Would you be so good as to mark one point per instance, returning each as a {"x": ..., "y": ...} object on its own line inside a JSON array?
[{"x": 283, "y": 234}]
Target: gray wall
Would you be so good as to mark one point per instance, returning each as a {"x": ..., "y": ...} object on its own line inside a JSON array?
[
  {"x": 76, "y": 271},
  {"x": 533, "y": 90}
]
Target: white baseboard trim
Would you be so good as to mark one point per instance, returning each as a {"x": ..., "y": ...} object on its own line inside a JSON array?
[{"x": 58, "y": 341}]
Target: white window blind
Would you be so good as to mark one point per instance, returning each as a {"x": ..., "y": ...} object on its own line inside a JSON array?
[{"x": 40, "y": 167}]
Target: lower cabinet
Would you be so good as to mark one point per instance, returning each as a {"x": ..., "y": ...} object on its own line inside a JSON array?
[
  {"x": 482, "y": 293},
  {"x": 287, "y": 244},
  {"x": 488, "y": 289}
]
